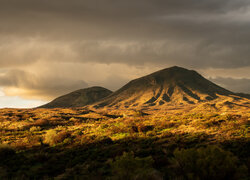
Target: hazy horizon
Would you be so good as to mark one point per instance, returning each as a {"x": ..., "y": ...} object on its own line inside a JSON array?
[{"x": 50, "y": 48}]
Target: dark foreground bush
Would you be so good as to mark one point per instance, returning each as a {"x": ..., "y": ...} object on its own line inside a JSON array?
[
  {"x": 3, "y": 173},
  {"x": 206, "y": 163},
  {"x": 128, "y": 167},
  {"x": 6, "y": 152}
]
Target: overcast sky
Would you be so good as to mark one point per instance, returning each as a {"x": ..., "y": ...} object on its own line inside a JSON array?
[{"x": 51, "y": 47}]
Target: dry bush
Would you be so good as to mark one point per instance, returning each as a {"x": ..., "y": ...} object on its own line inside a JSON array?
[
  {"x": 41, "y": 122},
  {"x": 32, "y": 140},
  {"x": 61, "y": 136}
]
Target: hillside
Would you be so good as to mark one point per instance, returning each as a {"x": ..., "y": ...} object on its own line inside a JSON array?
[
  {"x": 79, "y": 98},
  {"x": 77, "y": 143},
  {"x": 171, "y": 86}
]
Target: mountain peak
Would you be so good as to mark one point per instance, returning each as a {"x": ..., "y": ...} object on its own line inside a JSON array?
[
  {"x": 174, "y": 70},
  {"x": 172, "y": 76},
  {"x": 174, "y": 85}
]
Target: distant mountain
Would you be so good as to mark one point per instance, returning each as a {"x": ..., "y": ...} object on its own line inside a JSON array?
[
  {"x": 79, "y": 98},
  {"x": 174, "y": 85}
]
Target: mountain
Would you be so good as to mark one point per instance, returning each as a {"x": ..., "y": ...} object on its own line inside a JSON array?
[
  {"x": 79, "y": 98},
  {"x": 171, "y": 86}
]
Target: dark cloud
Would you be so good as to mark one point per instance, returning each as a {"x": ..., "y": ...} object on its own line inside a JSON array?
[
  {"x": 235, "y": 85},
  {"x": 198, "y": 34},
  {"x": 203, "y": 33}
]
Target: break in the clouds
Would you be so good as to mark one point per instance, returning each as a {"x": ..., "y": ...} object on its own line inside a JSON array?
[
  {"x": 49, "y": 47},
  {"x": 235, "y": 85},
  {"x": 28, "y": 85}
]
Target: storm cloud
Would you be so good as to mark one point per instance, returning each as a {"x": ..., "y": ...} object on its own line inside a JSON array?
[{"x": 59, "y": 43}]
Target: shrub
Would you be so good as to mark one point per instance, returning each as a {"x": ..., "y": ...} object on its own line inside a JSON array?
[
  {"x": 32, "y": 140},
  {"x": 208, "y": 163},
  {"x": 53, "y": 137},
  {"x": 128, "y": 167},
  {"x": 61, "y": 136},
  {"x": 35, "y": 128},
  {"x": 41, "y": 122},
  {"x": 50, "y": 136}
]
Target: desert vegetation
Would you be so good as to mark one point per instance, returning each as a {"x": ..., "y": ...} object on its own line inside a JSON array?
[{"x": 80, "y": 143}]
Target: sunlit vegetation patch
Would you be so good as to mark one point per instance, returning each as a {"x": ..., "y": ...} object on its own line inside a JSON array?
[{"x": 86, "y": 144}]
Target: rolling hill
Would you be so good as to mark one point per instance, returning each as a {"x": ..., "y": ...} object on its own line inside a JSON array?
[{"x": 79, "y": 98}]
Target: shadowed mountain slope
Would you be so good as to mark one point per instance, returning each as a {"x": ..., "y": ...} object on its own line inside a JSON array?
[
  {"x": 174, "y": 85},
  {"x": 79, "y": 98}
]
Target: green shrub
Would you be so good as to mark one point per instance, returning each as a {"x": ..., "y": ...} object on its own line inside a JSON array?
[
  {"x": 52, "y": 137},
  {"x": 128, "y": 167},
  {"x": 35, "y": 128},
  {"x": 208, "y": 163}
]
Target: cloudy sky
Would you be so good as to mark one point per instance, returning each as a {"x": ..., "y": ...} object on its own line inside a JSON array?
[{"x": 51, "y": 47}]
